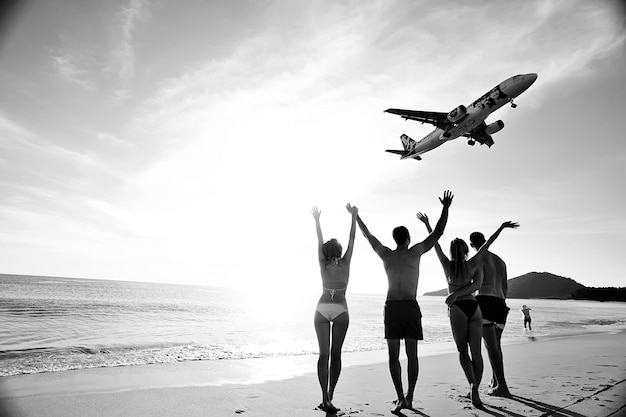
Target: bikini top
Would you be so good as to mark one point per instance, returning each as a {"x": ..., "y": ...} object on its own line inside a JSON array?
[{"x": 333, "y": 291}]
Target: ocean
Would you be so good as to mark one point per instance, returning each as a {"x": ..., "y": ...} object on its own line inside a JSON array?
[{"x": 50, "y": 324}]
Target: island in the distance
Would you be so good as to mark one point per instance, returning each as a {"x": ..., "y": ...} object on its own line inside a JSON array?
[{"x": 547, "y": 285}]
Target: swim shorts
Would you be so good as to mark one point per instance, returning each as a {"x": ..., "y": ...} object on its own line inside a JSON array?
[
  {"x": 494, "y": 310},
  {"x": 403, "y": 320}
]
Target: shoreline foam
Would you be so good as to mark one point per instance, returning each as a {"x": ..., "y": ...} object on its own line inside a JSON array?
[{"x": 581, "y": 375}]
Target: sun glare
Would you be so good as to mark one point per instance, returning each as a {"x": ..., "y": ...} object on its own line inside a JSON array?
[{"x": 278, "y": 303}]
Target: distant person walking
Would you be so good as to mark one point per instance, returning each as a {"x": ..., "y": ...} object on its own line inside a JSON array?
[
  {"x": 527, "y": 319},
  {"x": 464, "y": 277},
  {"x": 402, "y": 315},
  {"x": 492, "y": 300},
  {"x": 331, "y": 314}
]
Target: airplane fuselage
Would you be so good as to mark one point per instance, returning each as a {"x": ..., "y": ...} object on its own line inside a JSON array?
[{"x": 477, "y": 112}]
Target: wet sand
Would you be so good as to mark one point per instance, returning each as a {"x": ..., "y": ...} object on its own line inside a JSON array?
[{"x": 572, "y": 376}]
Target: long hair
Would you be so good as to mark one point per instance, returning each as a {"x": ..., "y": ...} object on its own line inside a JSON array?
[
  {"x": 458, "y": 265},
  {"x": 331, "y": 250}
]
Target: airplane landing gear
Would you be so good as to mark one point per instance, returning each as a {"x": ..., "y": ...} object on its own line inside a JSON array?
[{"x": 471, "y": 142}]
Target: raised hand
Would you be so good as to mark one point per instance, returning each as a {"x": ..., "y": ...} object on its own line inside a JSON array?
[
  {"x": 423, "y": 218},
  {"x": 316, "y": 213},
  {"x": 352, "y": 209},
  {"x": 447, "y": 198},
  {"x": 510, "y": 224}
]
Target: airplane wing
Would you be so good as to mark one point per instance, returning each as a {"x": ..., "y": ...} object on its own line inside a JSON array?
[{"x": 434, "y": 118}]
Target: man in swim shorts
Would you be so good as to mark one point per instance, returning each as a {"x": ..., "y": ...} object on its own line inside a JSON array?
[
  {"x": 403, "y": 319},
  {"x": 492, "y": 300}
]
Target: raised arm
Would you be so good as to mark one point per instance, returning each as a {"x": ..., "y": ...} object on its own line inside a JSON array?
[
  {"x": 445, "y": 262},
  {"x": 354, "y": 211},
  {"x": 376, "y": 245},
  {"x": 483, "y": 249},
  {"x": 434, "y": 236},
  {"x": 320, "y": 240}
]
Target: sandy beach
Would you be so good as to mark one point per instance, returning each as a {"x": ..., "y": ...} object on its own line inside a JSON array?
[{"x": 573, "y": 376}]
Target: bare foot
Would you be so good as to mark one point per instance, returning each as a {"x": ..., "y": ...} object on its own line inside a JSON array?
[
  {"x": 408, "y": 403},
  {"x": 500, "y": 391},
  {"x": 475, "y": 397},
  {"x": 399, "y": 405},
  {"x": 328, "y": 407}
]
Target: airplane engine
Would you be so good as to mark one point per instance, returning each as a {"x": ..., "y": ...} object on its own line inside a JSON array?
[
  {"x": 457, "y": 114},
  {"x": 494, "y": 127}
]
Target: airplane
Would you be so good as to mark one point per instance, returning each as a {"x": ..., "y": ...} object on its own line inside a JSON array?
[{"x": 463, "y": 121}]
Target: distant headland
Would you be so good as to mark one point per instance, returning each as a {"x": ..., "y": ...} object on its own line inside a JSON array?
[{"x": 547, "y": 285}]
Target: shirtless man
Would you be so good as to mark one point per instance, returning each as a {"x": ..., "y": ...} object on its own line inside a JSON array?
[
  {"x": 403, "y": 319},
  {"x": 491, "y": 298}
]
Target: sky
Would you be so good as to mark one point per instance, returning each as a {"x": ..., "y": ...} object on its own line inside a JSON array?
[{"x": 154, "y": 140}]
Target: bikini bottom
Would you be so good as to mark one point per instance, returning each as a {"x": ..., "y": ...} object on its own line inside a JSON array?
[
  {"x": 467, "y": 306},
  {"x": 330, "y": 311}
]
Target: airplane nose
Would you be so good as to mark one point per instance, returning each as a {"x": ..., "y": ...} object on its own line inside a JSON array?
[
  {"x": 515, "y": 86},
  {"x": 532, "y": 77}
]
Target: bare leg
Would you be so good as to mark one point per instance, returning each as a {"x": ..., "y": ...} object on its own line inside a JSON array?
[
  {"x": 339, "y": 330},
  {"x": 459, "y": 325},
  {"x": 413, "y": 370},
  {"x": 494, "y": 377},
  {"x": 495, "y": 358},
  {"x": 322, "y": 329},
  {"x": 475, "y": 331},
  {"x": 393, "y": 346},
  {"x": 499, "y": 331}
]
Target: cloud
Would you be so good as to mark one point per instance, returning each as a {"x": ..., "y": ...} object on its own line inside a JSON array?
[
  {"x": 574, "y": 35},
  {"x": 40, "y": 176},
  {"x": 58, "y": 206},
  {"x": 109, "y": 138},
  {"x": 283, "y": 115},
  {"x": 73, "y": 68},
  {"x": 123, "y": 52},
  {"x": 10, "y": 129}
]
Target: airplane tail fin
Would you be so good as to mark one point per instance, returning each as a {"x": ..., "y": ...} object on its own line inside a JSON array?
[
  {"x": 407, "y": 142},
  {"x": 409, "y": 145}
]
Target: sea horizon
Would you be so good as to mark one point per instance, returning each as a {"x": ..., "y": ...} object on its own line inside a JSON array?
[{"x": 51, "y": 324}]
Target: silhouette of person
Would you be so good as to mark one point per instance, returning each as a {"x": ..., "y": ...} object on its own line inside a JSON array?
[
  {"x": 527, "y": 319},
  {"x": 465, "y": 314},
  {"x": 402, "y": 315},
  {"x": 491, "y": 298},
  {"x": 331, "y": 313}
]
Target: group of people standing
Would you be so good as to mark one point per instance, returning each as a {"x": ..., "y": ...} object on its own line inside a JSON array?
[{"x": 471, "y": 317}]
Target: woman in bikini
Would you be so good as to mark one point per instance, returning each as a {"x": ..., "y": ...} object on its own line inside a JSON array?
[
  {"x": 331, "y": 314},
  {"x": 464, "y": 277}
]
